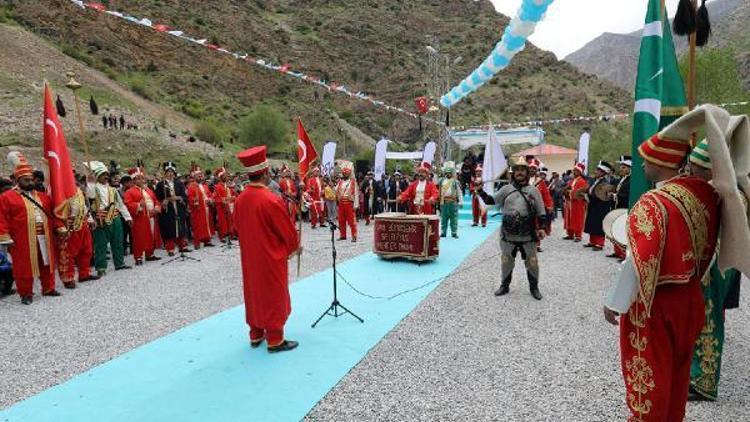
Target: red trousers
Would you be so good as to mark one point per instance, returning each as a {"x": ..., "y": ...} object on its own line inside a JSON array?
[
  {"x": 25, "y": 285},
  {"x": 316, "y": 214},
  {"x": 657, "y": 352},
  {"x": 476, "y": 211},
  {"x": 169, "y": 244},
  {"x": 346, "y": 216},
  {"x": 596, "y": 240},
  {"x": 75, "y": 252},
  {"x": 575, "y": 235},
  {"x": 273, "y": 337}
]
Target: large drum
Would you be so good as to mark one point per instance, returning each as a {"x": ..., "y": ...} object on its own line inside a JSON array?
[
  {"x": 615, "y": 226},
  {"x": 415, "y": 237}
]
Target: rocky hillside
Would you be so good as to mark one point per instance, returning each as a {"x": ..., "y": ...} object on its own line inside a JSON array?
[
  {"x": 621, "y": 50},
  {"x": 376, "y": 46},
  {"x": 26, "y": 61}
]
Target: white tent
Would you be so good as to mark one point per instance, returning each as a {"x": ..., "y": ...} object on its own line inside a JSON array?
[{"x": 468, "y": 138}]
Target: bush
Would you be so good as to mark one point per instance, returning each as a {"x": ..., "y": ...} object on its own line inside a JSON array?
[
  {"x": 209, "y": 131},
  {"x": 265, "y": 125}
]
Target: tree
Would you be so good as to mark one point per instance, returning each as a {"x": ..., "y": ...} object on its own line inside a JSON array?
[{"x": 265, "y": 125}]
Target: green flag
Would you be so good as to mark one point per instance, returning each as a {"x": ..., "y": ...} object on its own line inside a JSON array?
[{"x": 659, "y": 90}]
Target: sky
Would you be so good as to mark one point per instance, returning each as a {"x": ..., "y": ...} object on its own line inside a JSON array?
[{"x": 570, "y": 24}]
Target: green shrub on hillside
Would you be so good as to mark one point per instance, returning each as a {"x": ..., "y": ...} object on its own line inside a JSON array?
[
  {"x": 265, "y": 125},
  {"x": 718, "y": 80},
  {"x": 209, "y": 131}
]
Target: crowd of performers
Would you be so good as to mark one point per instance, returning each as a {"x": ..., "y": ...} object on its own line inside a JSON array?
[{"x": 111, "y": 214}]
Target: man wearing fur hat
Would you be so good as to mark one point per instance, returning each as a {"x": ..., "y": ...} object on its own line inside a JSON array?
[
  {"x": 25, "y": 224},
  {"x": 599, "y": 205},
  {"x": 450, "y": 200},
  {"x": 110, "y": 211},
  {"x": 524, "y": 216},
  {"x": 173, "y": 219}
]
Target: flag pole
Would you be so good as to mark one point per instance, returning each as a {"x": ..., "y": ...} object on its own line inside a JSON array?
[
  {"x": 74, "y": 86},
  {"x": 692, "y": 37}
]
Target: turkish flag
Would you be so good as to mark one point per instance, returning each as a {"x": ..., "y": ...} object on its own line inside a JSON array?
[
  {"x": 61, "y": 181},
  {"x": 422, "y": 105},
  {"x": 305, "y": 150}
]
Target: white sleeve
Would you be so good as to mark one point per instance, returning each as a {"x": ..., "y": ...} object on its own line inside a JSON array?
[
  {"x": 623, "y": 292},
  {"x": 122, "y": 208}
]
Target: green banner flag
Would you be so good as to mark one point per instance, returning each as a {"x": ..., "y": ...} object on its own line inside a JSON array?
[{"x": 659, "y": 89}]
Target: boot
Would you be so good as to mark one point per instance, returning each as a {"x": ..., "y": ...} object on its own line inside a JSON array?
[
  {"x": 504, "y": 287},
  {"x": 534, "y": 287}
]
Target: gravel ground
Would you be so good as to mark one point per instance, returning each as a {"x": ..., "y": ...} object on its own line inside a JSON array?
[
  {"x": 56, "y": 338},
  {"x": 465, "y": 354}
]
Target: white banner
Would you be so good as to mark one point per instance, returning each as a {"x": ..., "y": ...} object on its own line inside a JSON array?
[
  {"x": 416, "y": 155},
  {"x": 381, "y": 149},
  {"x": 583, "y": 149},
  {"x": 329, "y": 155},
  {"x": 429, "y": 152},
  {"x": 494, "y": 161}
]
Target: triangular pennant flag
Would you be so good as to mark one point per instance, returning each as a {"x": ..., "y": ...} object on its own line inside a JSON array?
[
  {"x": 60, "y": 107},
  {"x": 92, "y": 105}
]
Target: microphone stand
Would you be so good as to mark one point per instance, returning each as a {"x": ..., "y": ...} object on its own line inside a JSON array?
[{"x": 336, "y": 309}]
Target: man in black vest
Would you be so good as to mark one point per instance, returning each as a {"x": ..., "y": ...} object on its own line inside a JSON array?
[{"x": 622, "y": 196}]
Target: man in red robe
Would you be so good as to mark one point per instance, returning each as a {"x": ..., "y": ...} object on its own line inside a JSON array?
[
  {"x": 347, "y": 195},
  {"x": 267, "y": 240},
  {"x": 76, "y": 250},
  {"x": 144, "y": 207},
  {"x": 672, "y": 234},
  {"x": 199, "y": 199},
  {"x": 224, "y": 203},
  {"x": 289, "y": 192},
  {"x": 314, "y": 187},
  {"x": 26, "y": 224},
  {"x": 575, "y": 204},
  {"x": 541, "y": 184},
  {"x": 421, "y": 194}
]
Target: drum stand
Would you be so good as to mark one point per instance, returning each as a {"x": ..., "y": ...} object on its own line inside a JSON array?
[{"x": 336, "y": 309}]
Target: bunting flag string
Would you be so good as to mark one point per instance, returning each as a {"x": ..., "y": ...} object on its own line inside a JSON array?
[
  {"x": 576, "y": 119},
  {"x": 266, "y": 64}
]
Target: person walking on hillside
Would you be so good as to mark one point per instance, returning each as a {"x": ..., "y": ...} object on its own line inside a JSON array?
[{"x": 267, "y": 240}]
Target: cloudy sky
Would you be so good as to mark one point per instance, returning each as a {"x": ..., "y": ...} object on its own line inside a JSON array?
[{"x": 570, "y": 24}]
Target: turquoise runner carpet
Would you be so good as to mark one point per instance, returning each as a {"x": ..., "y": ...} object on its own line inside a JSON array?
[{"x": 207, "y": 371}]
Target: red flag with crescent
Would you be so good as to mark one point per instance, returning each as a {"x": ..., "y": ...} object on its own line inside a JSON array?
[
  {"x": 305, "y": 149},
  {"x": 422, "y": 105},
  {"x": 61, "y": 181}
]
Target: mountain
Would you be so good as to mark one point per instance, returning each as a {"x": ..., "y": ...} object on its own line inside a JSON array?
[
  {"x": 374, "y": 46},
  {"x": 621, "y": 50}
]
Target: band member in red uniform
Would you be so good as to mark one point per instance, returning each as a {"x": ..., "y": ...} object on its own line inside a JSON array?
[
  {"x": 224, "y": 203},
  {"x": 26, "y": 226},
  {"x": 267, "y": 240},
  {"x": 314, "y": 187},
  {"x": 199, "y": 199},
  {"x": 672, "y": 236},
  {"x": 575, "y": 204},
  {"x": 347, "y": 195},
  {"x": 289, "y": 191},
  {"x": 421, "y": 194},
  {"x": 144, "y": 207},
  {"x": 76, "y": 250},
  {"x": 537, "y": 181},
  {"x": 478, "y": 207}
]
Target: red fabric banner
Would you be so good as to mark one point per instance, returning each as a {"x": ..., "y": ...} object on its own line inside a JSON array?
[
  {"x": 61, "y": 181},
  {"x": 305, "y": 149}
]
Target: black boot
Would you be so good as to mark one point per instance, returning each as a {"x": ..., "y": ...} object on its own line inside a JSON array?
[
  {"x": 504, "y": 287},
  {"x": 534, "y": 287}
]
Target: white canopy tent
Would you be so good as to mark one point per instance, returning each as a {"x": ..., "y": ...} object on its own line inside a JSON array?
[{"x": 468, "y": 138}]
